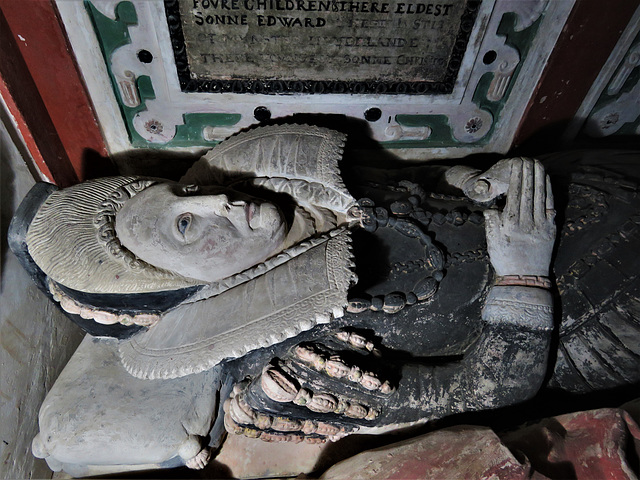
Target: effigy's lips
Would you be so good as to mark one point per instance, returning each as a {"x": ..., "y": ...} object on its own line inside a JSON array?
[{"x": 306, "y": 290}]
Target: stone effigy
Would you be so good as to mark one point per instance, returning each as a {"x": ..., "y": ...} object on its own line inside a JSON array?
[{"x": 229, "y": 301}]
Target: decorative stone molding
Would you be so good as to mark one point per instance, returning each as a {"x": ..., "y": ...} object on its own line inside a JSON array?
[
  {"x": 476, "y": 106},
  {"x": 612, "y": 105}
]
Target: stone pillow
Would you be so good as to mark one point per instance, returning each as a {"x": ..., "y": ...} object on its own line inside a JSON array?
[{"x": 98, "y": 419}]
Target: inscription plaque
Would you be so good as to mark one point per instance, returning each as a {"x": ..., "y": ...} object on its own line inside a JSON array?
[{"x": 319, "y": 46}]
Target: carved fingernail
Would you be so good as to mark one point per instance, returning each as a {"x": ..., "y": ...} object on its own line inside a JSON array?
[
  {"x": 370, "y": 381},
  {"x": 335, "y": 367},
  {"x": 277, "y": 386},
  {"x": 303, "y": 397},
  {"x": 322, "y": 403},
  {"x": 355, "y": 410}
]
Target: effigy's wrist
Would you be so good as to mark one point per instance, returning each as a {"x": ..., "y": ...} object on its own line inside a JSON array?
[
  {"x": 537, "y": 281},
  {"x": 517, "y": 305}
]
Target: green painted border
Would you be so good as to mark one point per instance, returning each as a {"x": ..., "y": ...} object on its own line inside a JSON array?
[
  {"x": 113, "y": 34},
  {"x": 604, "y": 98},
  {"x": 441, "y": 135}
]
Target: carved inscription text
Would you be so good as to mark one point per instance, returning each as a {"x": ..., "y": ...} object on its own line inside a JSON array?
[{"x": 321, "y": 40}]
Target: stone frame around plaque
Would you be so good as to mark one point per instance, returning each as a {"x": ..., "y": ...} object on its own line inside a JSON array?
[
  {"x": 612, "y": 105},
  {"x": 480, "y": 113}
]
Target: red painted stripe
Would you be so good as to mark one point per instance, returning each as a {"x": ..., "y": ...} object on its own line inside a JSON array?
[{"x": 49, "y": 71}]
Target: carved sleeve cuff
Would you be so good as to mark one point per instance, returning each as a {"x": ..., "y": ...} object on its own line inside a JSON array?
[
  {"x": 524, "y": 281},
  {"x": 527, "y": 307}
]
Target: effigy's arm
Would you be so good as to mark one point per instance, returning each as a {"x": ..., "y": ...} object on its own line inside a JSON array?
[
  {"x": 505, "y": 365},
  {"x": 508, "y": 361},
  {"x": 326, "y": 391}
]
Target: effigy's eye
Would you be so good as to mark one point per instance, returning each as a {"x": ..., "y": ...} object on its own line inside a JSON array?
[{"x": 183, "y": 223}]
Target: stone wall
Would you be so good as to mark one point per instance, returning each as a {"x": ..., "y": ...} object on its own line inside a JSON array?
[{"x": 36, "y": 340}]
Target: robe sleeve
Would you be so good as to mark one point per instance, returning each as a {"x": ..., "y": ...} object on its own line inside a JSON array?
[{"x": 505, "y": 365}]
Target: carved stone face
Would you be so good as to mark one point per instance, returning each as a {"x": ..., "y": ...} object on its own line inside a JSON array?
[{"x": 206, "y": 233}]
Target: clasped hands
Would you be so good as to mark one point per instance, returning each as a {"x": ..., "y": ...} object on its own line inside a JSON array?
[{"x": 520, "y": 238}]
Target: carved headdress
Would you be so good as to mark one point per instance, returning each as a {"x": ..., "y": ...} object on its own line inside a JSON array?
[{"x": 72, "y": 240}]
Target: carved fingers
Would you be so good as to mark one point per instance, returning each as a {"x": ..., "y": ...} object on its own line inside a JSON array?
[
  {"x": 242, "y": 419},
  {"x": 200, "y": 461},
  {"x": 314, "y": 394},
  {"x": 195, "y": 456},
  {"x": 520, "y": 238},
  {"x": 481, "y": 187},
  {"x": 529, "y": 203}
]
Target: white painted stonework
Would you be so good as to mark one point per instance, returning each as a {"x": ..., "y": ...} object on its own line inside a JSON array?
[{"x": 470, "y": 125}]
